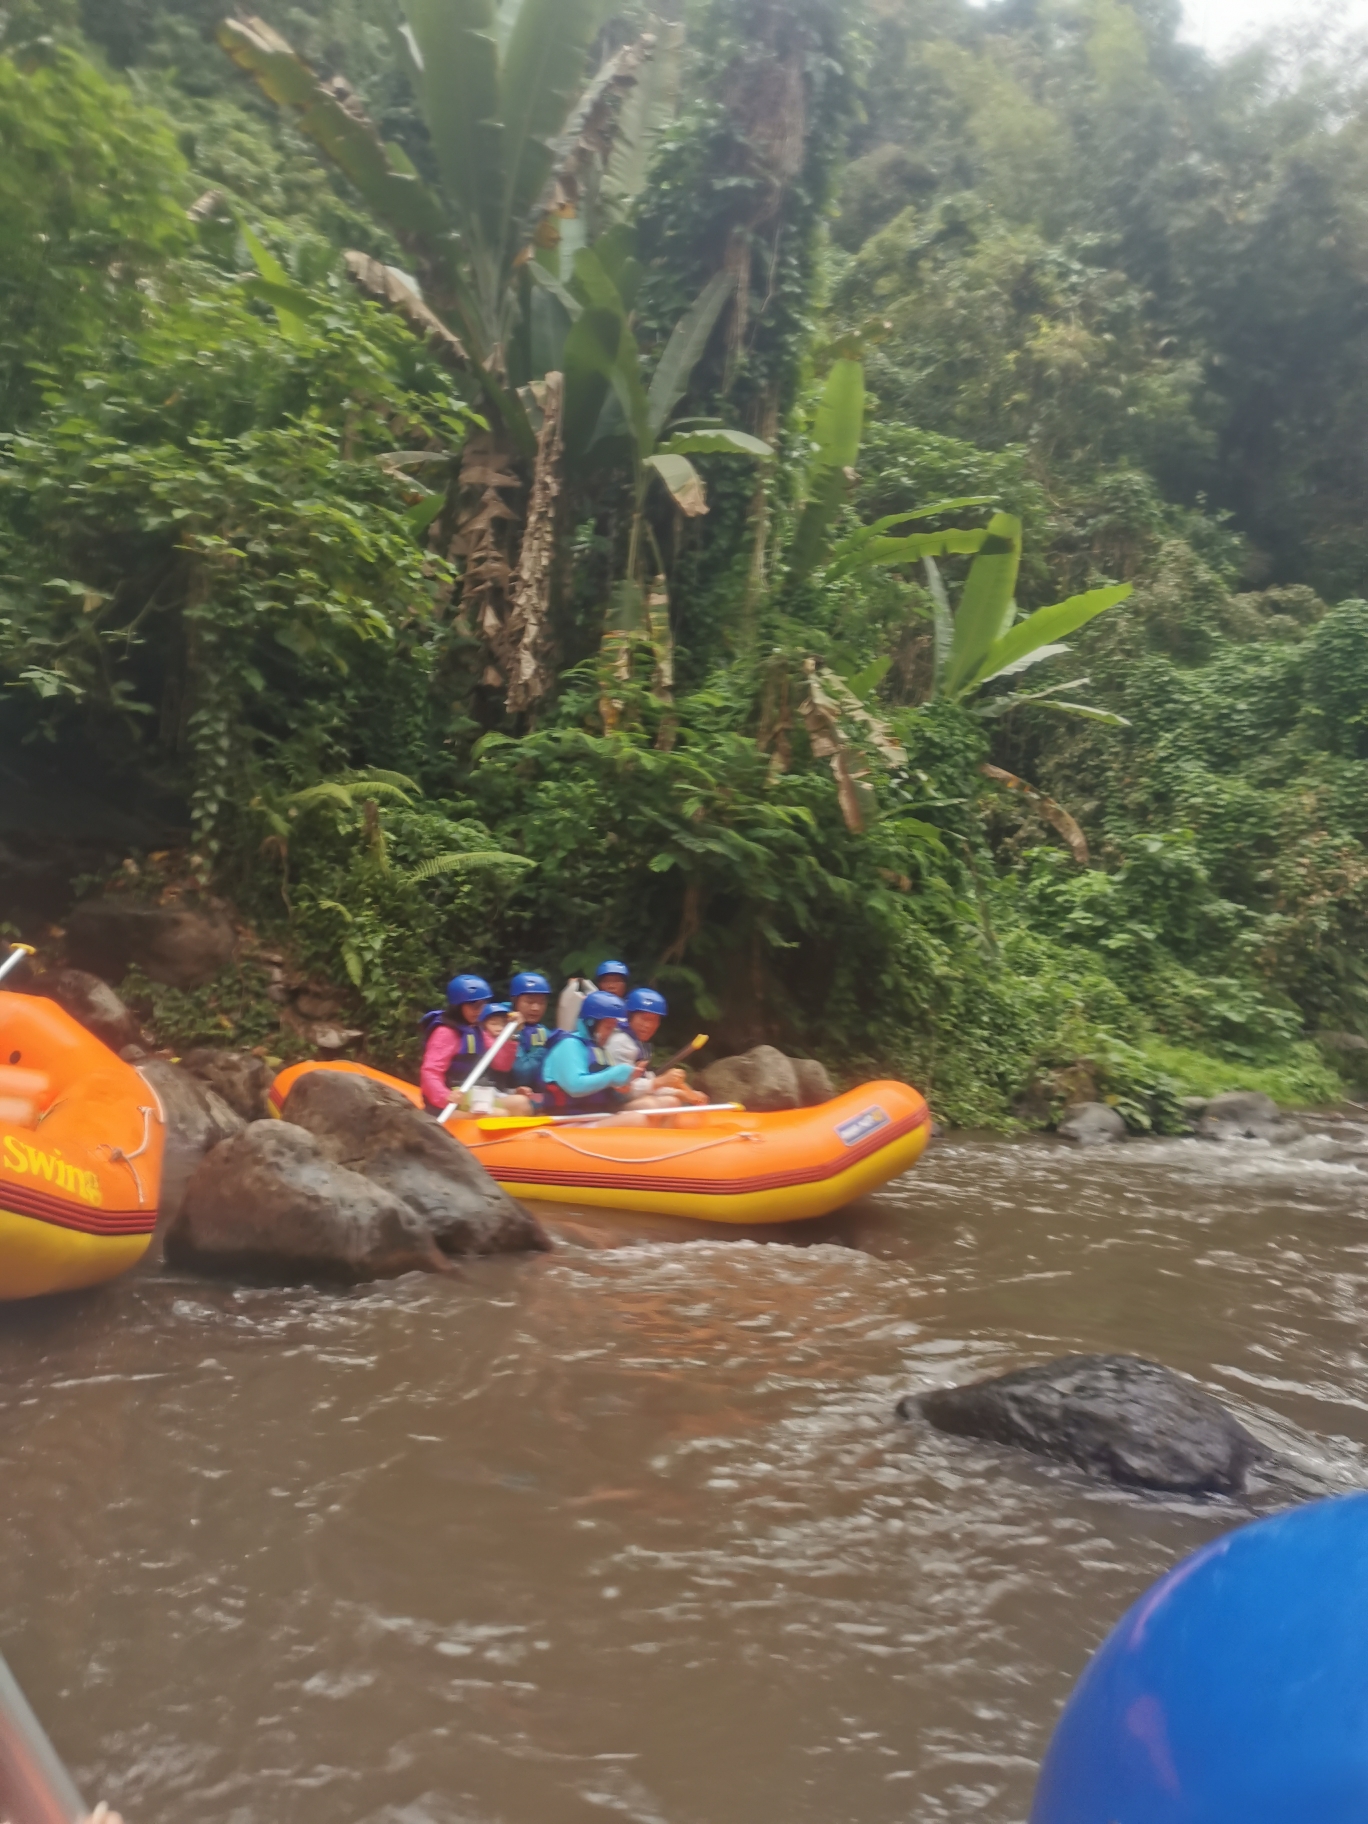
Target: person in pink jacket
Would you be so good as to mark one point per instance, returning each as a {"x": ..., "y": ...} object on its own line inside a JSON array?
[{"x": 456, "y": 1040}]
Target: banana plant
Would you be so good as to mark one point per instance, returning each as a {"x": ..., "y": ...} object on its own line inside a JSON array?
[
  {"x": 982, "y": 639},
  {"x": 610, "y": 411},
  {"x": 517, "y": 134}
]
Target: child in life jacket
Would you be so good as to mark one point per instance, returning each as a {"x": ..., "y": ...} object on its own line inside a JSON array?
[
  {"x": 631, "y": 1043},
  {"x": 455, "y": 1040},
  {"x": 530, "y": 993},
  {"x": 578, "y": 1075}
]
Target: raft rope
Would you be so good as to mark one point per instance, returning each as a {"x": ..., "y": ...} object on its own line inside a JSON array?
[
  {"x": 543, "y": 1133},
  {"x": 117, "y": 1156}
]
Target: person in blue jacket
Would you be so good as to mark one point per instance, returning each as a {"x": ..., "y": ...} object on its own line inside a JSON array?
[
  {"x": 577, "y": 1075},
  {"x": 530, "y": 992}
]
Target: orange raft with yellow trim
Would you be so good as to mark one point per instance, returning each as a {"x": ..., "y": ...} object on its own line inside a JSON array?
[
  {"x": 712, "y": 1165},
  {"x": 81, "y": 1141}
]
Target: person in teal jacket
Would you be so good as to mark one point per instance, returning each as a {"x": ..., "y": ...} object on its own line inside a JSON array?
[{"x": 577, "y": 1075}]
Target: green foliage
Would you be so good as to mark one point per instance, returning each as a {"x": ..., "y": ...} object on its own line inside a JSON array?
[
  {"x": 92, "y": 197},
  {"x": 199, "y": 539},
  {"x": 1337, "y": 679},
  {"x": 1061, "y": 271}
]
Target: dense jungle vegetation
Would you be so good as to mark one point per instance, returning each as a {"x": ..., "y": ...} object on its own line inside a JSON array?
[{"x": 496, "y": 482}]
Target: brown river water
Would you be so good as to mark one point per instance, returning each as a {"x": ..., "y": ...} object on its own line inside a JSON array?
[{"x": 630, "y": 1530}]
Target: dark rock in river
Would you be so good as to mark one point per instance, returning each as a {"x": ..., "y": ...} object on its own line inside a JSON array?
[
  {"x": 377, "y": 1132},
  {"x": 94, "y": 1003},
  {"x": 270, "y": 1205},
  {"x": 762, "y": 1080},
  {"x": 241, "y": 1078},
  {"x": 1092, "y": 1124},
  {"x": 196, "y": 1121},
  {"x": 1245, "y": 1114},
  {"x": 1119, "y": 1418},
  {"x": 170, "y": 944},
  {"x": 814, "y": 1082}
]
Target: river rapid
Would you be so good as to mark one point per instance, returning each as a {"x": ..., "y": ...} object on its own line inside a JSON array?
[{"x": 630, "y": 1530}]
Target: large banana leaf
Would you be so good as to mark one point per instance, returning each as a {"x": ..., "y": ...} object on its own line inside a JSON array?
[
  {"x": 687, "y": 341},
  {"x": 601, "y": 348},
  {"x": 683, "y": 480},
  {"x": 590, "y": 351},
  {"x": 879, "y": 528},
  {"x": 541, "y": 73},
  {"x": 717, "y": 442},
  {"x": 836, "y": 431},
  {"x": 985, "y": 608},
  {"x": 401, "y": 201},
  {"x": 458, "y": 81},
  {"x": 1045, "y": 627},
  {"x": 912, "y": 549},
  {"x": 650, "y": 104}
]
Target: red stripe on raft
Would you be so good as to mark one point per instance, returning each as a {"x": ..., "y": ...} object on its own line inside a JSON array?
[
  {"x": 42, "y": 1206},
  {"x": 624, "y": 1180}
]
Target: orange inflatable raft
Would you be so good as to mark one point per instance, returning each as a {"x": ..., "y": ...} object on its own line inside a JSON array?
[
  {"x": 721, "y": 1165},
  {"x": 81, "y": 1140}
]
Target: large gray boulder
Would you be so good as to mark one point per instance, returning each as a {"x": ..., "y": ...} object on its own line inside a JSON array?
[
  {"x": 270, "y": 1205},
  {"x": 94, "y": 1003},
  {"x": 763, "y": 1080},
  {"x": 241, "y": 1078},
  {"x": 1244, "y": 1114},
  {"x": 375, "y": 1131},
  {"x": 814, "y": 1082},
  {"x": 1118, "y": 1417},
  {"x": 176, "y": 945},
  {"x": 196, "y": 1121},
  {"x": 1092, "y": 1124}
]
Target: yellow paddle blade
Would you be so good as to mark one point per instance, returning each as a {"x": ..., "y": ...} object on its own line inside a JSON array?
[{"x": 499, "y": 1124}]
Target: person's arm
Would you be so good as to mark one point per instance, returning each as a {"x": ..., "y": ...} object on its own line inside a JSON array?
[
  {"x": 440, "y": 1050},
  {"x": 571, "y": 1068}
]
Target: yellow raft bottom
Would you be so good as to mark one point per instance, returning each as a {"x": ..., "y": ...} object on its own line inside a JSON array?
[
  {"x": 40, "y": 1257},
  {"x": 787, "y": 1203}
]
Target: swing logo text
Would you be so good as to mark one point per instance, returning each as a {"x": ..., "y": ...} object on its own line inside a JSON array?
[{"x": 33, "y": 1162}]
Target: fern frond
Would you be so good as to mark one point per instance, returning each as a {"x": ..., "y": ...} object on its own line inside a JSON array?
[{"x": 467, "y": 861}]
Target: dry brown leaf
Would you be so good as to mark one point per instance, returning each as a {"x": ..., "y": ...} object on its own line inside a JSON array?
[
  {"x": 1045, "y": 808},
  {"x": 385, "y": 286}
]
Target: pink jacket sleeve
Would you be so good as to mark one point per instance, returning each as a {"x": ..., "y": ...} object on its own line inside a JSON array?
[{"x": 437, "y": 1056}]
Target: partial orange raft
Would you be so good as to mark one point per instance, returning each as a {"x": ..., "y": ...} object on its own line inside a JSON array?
[
  {"x": 81, "y": 1140},
  {"x": 726, "y": 1166}
]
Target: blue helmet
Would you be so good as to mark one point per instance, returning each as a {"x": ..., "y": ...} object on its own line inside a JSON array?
[
  {"x": 646, "y": 1000},
  {"x": 497, "y": 1007},
  {"x": 463, "y": 988},
  {"x": 611, "y": 968},
  {"x": 601, "y": 1005},
  {"x": 528, "y": 982},
  {"x": 1233, "y": 1691}
]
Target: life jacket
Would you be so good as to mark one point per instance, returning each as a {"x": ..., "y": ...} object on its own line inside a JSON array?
[
  {"x": 533, "y": 1045},
  {"x": 471, "y": 1047},
  {"x": 560, "y": 1102}
]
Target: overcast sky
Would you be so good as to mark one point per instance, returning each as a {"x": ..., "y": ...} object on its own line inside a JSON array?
[{"x": 1222, "y": 25}]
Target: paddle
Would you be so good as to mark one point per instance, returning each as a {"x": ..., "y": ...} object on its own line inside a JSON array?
[
  {"x": 35, "y": 1788},
  {"x": 480, "y": 1069},
  {"x": 696, "y": 1043},
  {"x": 16, "y": 956},
  {"x": 500, "y": 1123}
]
